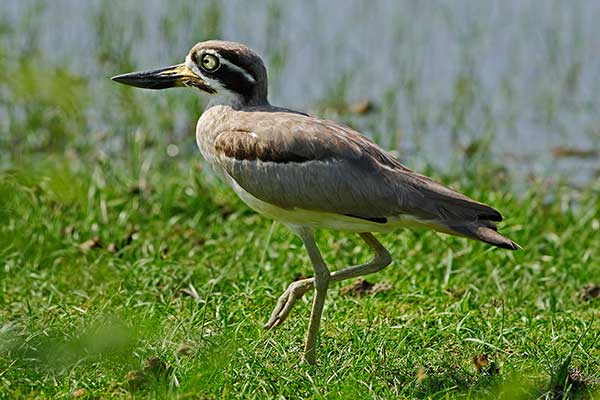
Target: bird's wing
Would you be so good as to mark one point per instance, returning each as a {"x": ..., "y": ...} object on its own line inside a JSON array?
[{"x": 297, "y": 161}]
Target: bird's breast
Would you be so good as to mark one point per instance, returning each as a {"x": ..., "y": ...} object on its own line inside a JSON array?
[{"x": 209, "y": 126}]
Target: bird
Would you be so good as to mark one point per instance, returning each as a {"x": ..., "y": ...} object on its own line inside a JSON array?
[{"x": 310, "y": 173}]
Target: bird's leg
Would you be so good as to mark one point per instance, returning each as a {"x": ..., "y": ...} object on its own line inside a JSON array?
[
  {"x": 297, "y": 289},
  {"x": 381, "y": 260},
  {"x": 321, "y": 282}
]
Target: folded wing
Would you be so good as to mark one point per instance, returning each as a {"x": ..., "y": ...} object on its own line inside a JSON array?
[{"x": 296, "y": 161}]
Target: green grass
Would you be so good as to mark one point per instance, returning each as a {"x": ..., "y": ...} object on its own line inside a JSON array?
[{"x": 179, "y": 269}]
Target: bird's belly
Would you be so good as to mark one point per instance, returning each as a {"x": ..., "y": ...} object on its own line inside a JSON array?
[{"x": 317, "y": 219}]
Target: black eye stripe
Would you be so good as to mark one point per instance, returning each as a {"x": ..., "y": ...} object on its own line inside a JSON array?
[
  {"x": 234, "y": 72},
  {"x": 234, "y": 80},
  {"x": 235, "y": 59}
]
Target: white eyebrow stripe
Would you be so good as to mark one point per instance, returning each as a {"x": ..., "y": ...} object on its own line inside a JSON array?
[
  {"x": 239, "y": 69},
  {"x": 224, "y": 61}
]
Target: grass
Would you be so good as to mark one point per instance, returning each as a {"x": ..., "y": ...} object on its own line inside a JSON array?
[
  {"x": 127, "y": 273},
  {"x": 112, "y": 288}
]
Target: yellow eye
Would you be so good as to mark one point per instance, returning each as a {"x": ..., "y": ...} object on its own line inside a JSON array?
[{"x": 210, "y": 62}]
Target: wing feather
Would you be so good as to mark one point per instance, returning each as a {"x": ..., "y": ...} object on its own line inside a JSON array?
[{"x": 297, "y": 161}]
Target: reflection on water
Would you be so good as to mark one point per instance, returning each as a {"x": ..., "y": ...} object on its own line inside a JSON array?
[{"x": 523, "y": 75}]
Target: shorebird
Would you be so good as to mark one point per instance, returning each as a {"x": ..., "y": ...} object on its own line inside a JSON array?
[{"x": 309, "y": 173}]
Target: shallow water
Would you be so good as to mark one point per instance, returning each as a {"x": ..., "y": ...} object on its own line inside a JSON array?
[{"x": 524, "y": 74}]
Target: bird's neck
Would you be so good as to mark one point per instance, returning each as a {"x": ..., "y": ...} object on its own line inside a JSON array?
[{"x": 237, "y": 101}]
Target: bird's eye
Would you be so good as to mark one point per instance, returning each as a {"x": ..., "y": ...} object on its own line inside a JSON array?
[{"x": 210, "y": 62}]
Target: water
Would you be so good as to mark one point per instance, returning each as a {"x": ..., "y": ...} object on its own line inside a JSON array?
[{"x": 524, "y": 75}]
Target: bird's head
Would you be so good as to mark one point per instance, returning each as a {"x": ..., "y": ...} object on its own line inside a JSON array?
[{"x": 231, "y": 72}]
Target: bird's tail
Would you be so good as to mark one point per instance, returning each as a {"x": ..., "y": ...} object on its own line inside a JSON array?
[{"x": 485, "y": 231}]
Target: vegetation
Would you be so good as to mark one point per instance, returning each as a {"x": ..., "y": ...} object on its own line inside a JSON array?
[
  {"x": 103, "y": 271},
  {"x": 127, "y": 270}
]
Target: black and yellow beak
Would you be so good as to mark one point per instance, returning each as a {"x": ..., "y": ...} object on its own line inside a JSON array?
[{"x": 175, "y": 76}]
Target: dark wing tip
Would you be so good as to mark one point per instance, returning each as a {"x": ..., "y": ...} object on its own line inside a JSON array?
[
  {"x": 483, "y": 232},
  {"x": 489, "y": 214}
]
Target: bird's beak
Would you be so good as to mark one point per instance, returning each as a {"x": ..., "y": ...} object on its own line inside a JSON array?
[{"x": 174, "y": 76}]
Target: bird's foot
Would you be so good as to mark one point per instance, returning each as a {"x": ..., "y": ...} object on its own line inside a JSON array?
[{"x": 287, "y": 300}]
